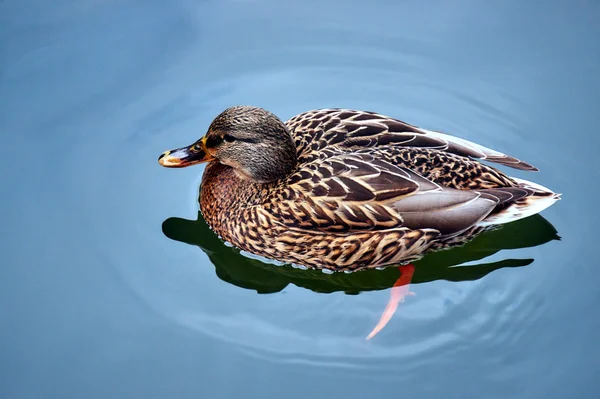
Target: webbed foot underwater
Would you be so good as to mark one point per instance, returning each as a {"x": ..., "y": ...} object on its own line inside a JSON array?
[{"x": 347, "y": 190}]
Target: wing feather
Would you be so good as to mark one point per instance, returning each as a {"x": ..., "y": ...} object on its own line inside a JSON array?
[{"x": 359, "y": 191}]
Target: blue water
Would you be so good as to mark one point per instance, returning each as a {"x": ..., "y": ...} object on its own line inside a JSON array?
[{"x": 101, "y": 294}]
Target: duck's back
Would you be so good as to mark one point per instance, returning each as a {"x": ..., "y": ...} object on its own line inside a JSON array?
[
  {"x": 446, "y": 161},
  {"x": 351, "y": 130}
]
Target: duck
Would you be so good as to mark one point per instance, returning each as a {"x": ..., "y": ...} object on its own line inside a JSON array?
[{"x": 346, "y": 190}]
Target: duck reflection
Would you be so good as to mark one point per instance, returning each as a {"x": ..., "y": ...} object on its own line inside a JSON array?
[{"x": 441, "y": 264}]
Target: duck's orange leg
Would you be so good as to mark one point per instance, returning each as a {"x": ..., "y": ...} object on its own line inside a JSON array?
[{"x": 397, "y": 294}]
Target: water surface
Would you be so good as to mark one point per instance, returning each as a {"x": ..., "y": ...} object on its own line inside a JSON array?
[{"x": 112, "y": 285}]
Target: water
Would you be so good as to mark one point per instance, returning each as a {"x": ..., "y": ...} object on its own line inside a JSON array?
[{"x": 102, "y": 297}]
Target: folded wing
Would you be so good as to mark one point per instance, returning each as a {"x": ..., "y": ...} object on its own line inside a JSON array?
[{"x": 349, "y": 192}]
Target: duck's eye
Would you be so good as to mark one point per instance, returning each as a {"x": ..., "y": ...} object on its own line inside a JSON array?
[{"x": 228, "y": 138}]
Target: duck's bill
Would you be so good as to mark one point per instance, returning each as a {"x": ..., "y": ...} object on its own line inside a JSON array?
[{"x": 185, "y": 156}]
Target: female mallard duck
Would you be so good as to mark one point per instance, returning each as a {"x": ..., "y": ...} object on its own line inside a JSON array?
[{"x": 346, "y": 190}]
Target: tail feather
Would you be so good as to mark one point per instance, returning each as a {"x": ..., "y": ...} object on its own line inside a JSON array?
[
  {"x": 537, "y": 199},
  {"x": 505, "y": 194}
]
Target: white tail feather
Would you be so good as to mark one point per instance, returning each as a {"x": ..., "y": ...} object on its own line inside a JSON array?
[{"x": 523, "y": 208}]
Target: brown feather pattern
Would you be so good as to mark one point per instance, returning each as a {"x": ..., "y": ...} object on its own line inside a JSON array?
[{"x": 368, "y": 191}]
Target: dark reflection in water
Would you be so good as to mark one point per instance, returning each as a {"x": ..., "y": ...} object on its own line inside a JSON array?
[
  {"x": 472, "y": 246},
  {"x": 235, "y": 268}
]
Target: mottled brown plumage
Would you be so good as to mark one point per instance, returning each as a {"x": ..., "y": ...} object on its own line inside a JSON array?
[{"x": 346, "y": 190}]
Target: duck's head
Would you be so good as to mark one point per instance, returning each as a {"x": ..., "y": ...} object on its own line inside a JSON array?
[{"x": 251, "y": 140}]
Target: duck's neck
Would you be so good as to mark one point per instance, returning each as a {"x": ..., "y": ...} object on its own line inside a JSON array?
[{"x": 224, "y": 195}]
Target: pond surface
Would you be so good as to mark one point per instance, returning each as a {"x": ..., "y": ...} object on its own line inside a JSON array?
[{"x": 113, "y": 286}]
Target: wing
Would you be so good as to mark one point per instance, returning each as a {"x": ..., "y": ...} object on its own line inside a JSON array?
[
  {"x": 353, "y": 192},
  {"x": 352, "y": 130}
]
